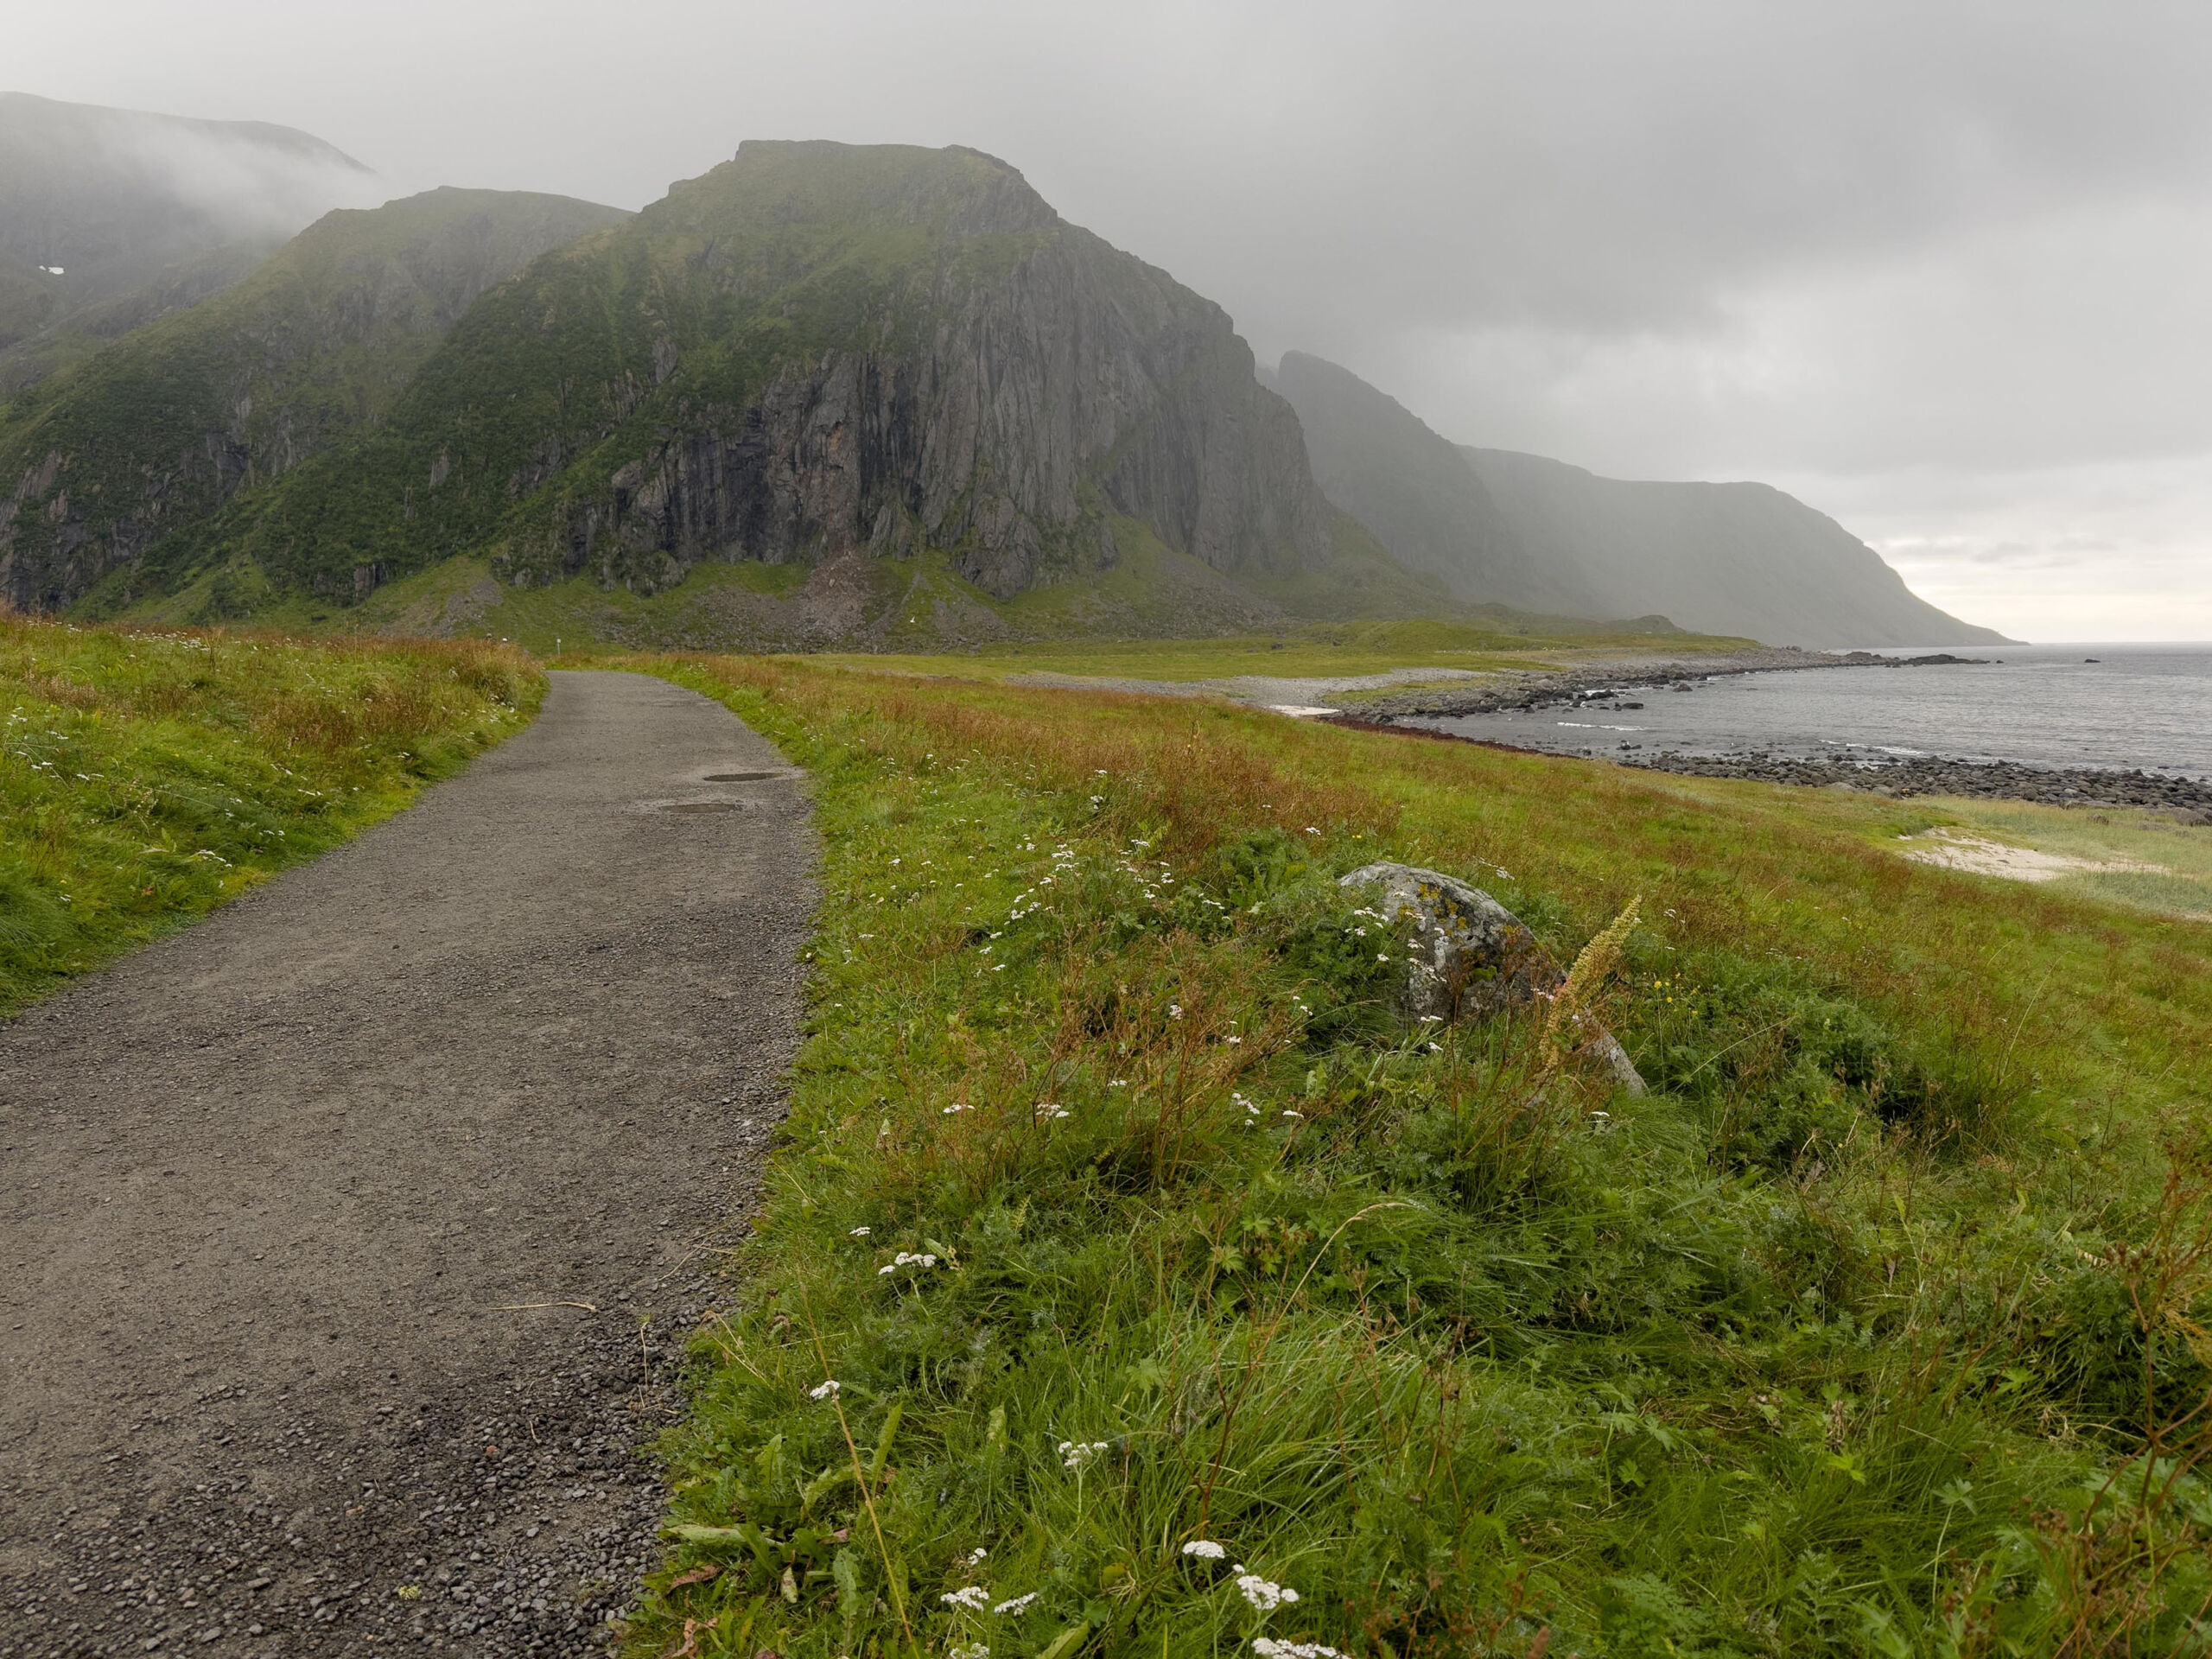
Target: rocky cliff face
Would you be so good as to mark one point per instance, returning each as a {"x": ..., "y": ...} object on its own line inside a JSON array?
[
  {"x": 817, "y": 349},
  {"x": 165, "y": 426},
  {"x": 1742, "y": 559},
  {"x": 1380, "y": 463}
]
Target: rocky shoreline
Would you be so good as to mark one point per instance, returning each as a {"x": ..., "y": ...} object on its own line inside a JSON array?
[
  {"x": 2187, "y": 799},
  {"x": 1601, "y": 685}
]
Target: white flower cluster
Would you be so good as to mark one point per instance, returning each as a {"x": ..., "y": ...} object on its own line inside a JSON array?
[
  {"x": 973, "y": 1597},
  {"x": 1267, "y": 1648},
  {"x": 1260, "y": 1593},
  {"x": 1078, "y": 1454},
  {"x": 903, "y": 1259},
  {"x": 1017, "y": 1604},
  {"x": 967, "y": 1650},
  {"x": 822, "y": 1390},
  {"x": 1047, "y": 1110},
  {"x": 860, "y": 1232},
  {"x": 958, "y": 1106},
  {"x": 1205, "y": 1548}
]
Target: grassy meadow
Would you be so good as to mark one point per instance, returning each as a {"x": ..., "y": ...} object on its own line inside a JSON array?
[
  {"x": 1317, "y": 650},
  {"x": 1129, "y": 1282},
  {"x": 146, "y": 777}
]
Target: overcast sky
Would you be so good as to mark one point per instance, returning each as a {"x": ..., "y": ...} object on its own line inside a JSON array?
[{"x": 1944, "y": 270}]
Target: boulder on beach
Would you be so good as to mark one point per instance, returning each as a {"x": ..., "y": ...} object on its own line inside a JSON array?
[{"x": 1477, "y": 958}]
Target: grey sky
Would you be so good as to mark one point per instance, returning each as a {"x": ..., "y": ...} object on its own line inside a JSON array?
[{"x": 1944, "y": 270}]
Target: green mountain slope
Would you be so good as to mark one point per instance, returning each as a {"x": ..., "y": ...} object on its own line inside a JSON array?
[
  {"x": 813, "y": 353},
  {"x": 160, "y": 430},
  {"x": 109, "y": 216},
  {"x": 1721, "y": 558},
  {"x": 1376, "y": 461},
  {"x": 1738, "y": 559}
]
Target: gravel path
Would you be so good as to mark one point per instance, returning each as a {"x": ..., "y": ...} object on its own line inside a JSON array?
[{"x": 278, "y": 1189}]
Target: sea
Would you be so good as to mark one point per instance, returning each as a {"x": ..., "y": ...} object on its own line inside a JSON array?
[{"x": 2122, "y": 707}]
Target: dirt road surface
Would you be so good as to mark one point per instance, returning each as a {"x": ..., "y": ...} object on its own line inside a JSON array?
[{"x": 347, "y": 1238}]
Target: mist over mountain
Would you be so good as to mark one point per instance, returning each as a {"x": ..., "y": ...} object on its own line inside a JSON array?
[
  {"x": 1738, "y": 558},
  {"x": 895, "y": 375},
  {"x": 161, "y": 428},
  {"x": 101, "y": 206},
  {"x": 1378, "y": 461},
  {"x": 1499, "y": 527},
  {"x": 815, "y": 354}
]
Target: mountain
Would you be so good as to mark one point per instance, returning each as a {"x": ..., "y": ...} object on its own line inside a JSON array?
[
  {"x": 161, "y": 428},
  {"x": 823, "y": 393},
  {"x": 1376, "y": 461},
  {"x": 1494, "y": 525},
  {"x": 1719, "y": 558},
  {"x": 108, "y": 215},
  {"x": 814, "y": 354}
]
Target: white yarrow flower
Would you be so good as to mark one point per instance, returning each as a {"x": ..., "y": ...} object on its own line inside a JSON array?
[
  {"x": 967, "y": 1650},
  {"x": 1017, "y": 1604},
  {"x": 1206, "y": 1549},
  {"x": 1269, "y": 1647},
  {"x": 859, "y": 1232},
  {"x": 1078, "y": 1454},
  {"x": 973, "y": 1597},
  {"x": 822, "y": 1390},
  {"x": 1261, "y": 1594}
]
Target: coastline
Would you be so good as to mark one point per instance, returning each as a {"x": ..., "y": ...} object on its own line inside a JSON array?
[
  {"x": 2187, "y": 800},
  {"x": 1589, "y": 683}
]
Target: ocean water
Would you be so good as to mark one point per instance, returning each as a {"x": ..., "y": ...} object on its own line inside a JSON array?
[{"x": 2134, "y": 706}]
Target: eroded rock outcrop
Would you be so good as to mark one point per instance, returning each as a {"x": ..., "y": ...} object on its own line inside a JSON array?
[
  {"x": 998, "y": 390},
  {"x": 1477, "y": 958}
]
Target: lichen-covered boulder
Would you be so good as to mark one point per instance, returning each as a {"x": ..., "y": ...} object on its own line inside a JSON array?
[{"x": 1474, "y": 957}]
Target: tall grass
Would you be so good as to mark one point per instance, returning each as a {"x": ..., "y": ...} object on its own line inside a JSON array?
[
  {"x": 145, "y": 776},
  {"x": 1118, "y": 1218}
]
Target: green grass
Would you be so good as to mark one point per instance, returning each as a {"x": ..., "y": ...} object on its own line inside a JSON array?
[
  {"x": 148, "y": 777},
  {"x": 2178, "y": 878},
  {"x": 1306, "y": 649},
  {"x": 1849, "y": 1338}
]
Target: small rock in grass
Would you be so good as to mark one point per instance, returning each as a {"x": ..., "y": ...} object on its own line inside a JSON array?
[{"x": 1477, "y": 959}]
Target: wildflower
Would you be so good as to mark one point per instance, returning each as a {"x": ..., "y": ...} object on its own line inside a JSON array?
[
  {"x": 1119, "y": 1083},
  {"x": 1206, "y": 1549},
  {"x": 977, "y": 1555},
  {"x": 859, "y": 1232},
  {"x": 973, "y": 1596},
  {"x": 1260, "y": 1593},
  {"x": 958, "y": 1106},
  {"x": 967, "y": 1650},
  {"x": 1310, "y": 830},
  {"x": 1291, "y": 1114},
  {"x": 1174, "y": 1010},
  {"x": 1017, "y": 1604},
  {"x": 1047, "y": 1110},
  {"x": 822, "y": 1390},
  {"x": 1078, "y": 1454},
  {"x": 1267, "y": 1648},
  {"x": 1232, "y": 1039}
]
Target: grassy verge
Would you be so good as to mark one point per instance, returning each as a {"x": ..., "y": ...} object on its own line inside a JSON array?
[
  {"x": 1308, "y": 649},
  {"x": 145, "y": 778},
  {"x": 2125, "y": 856},
  {"x": 1117, "y": 1221}
]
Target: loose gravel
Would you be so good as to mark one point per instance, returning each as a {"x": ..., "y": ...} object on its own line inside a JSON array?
[{"x": 353, "y": 1235}]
